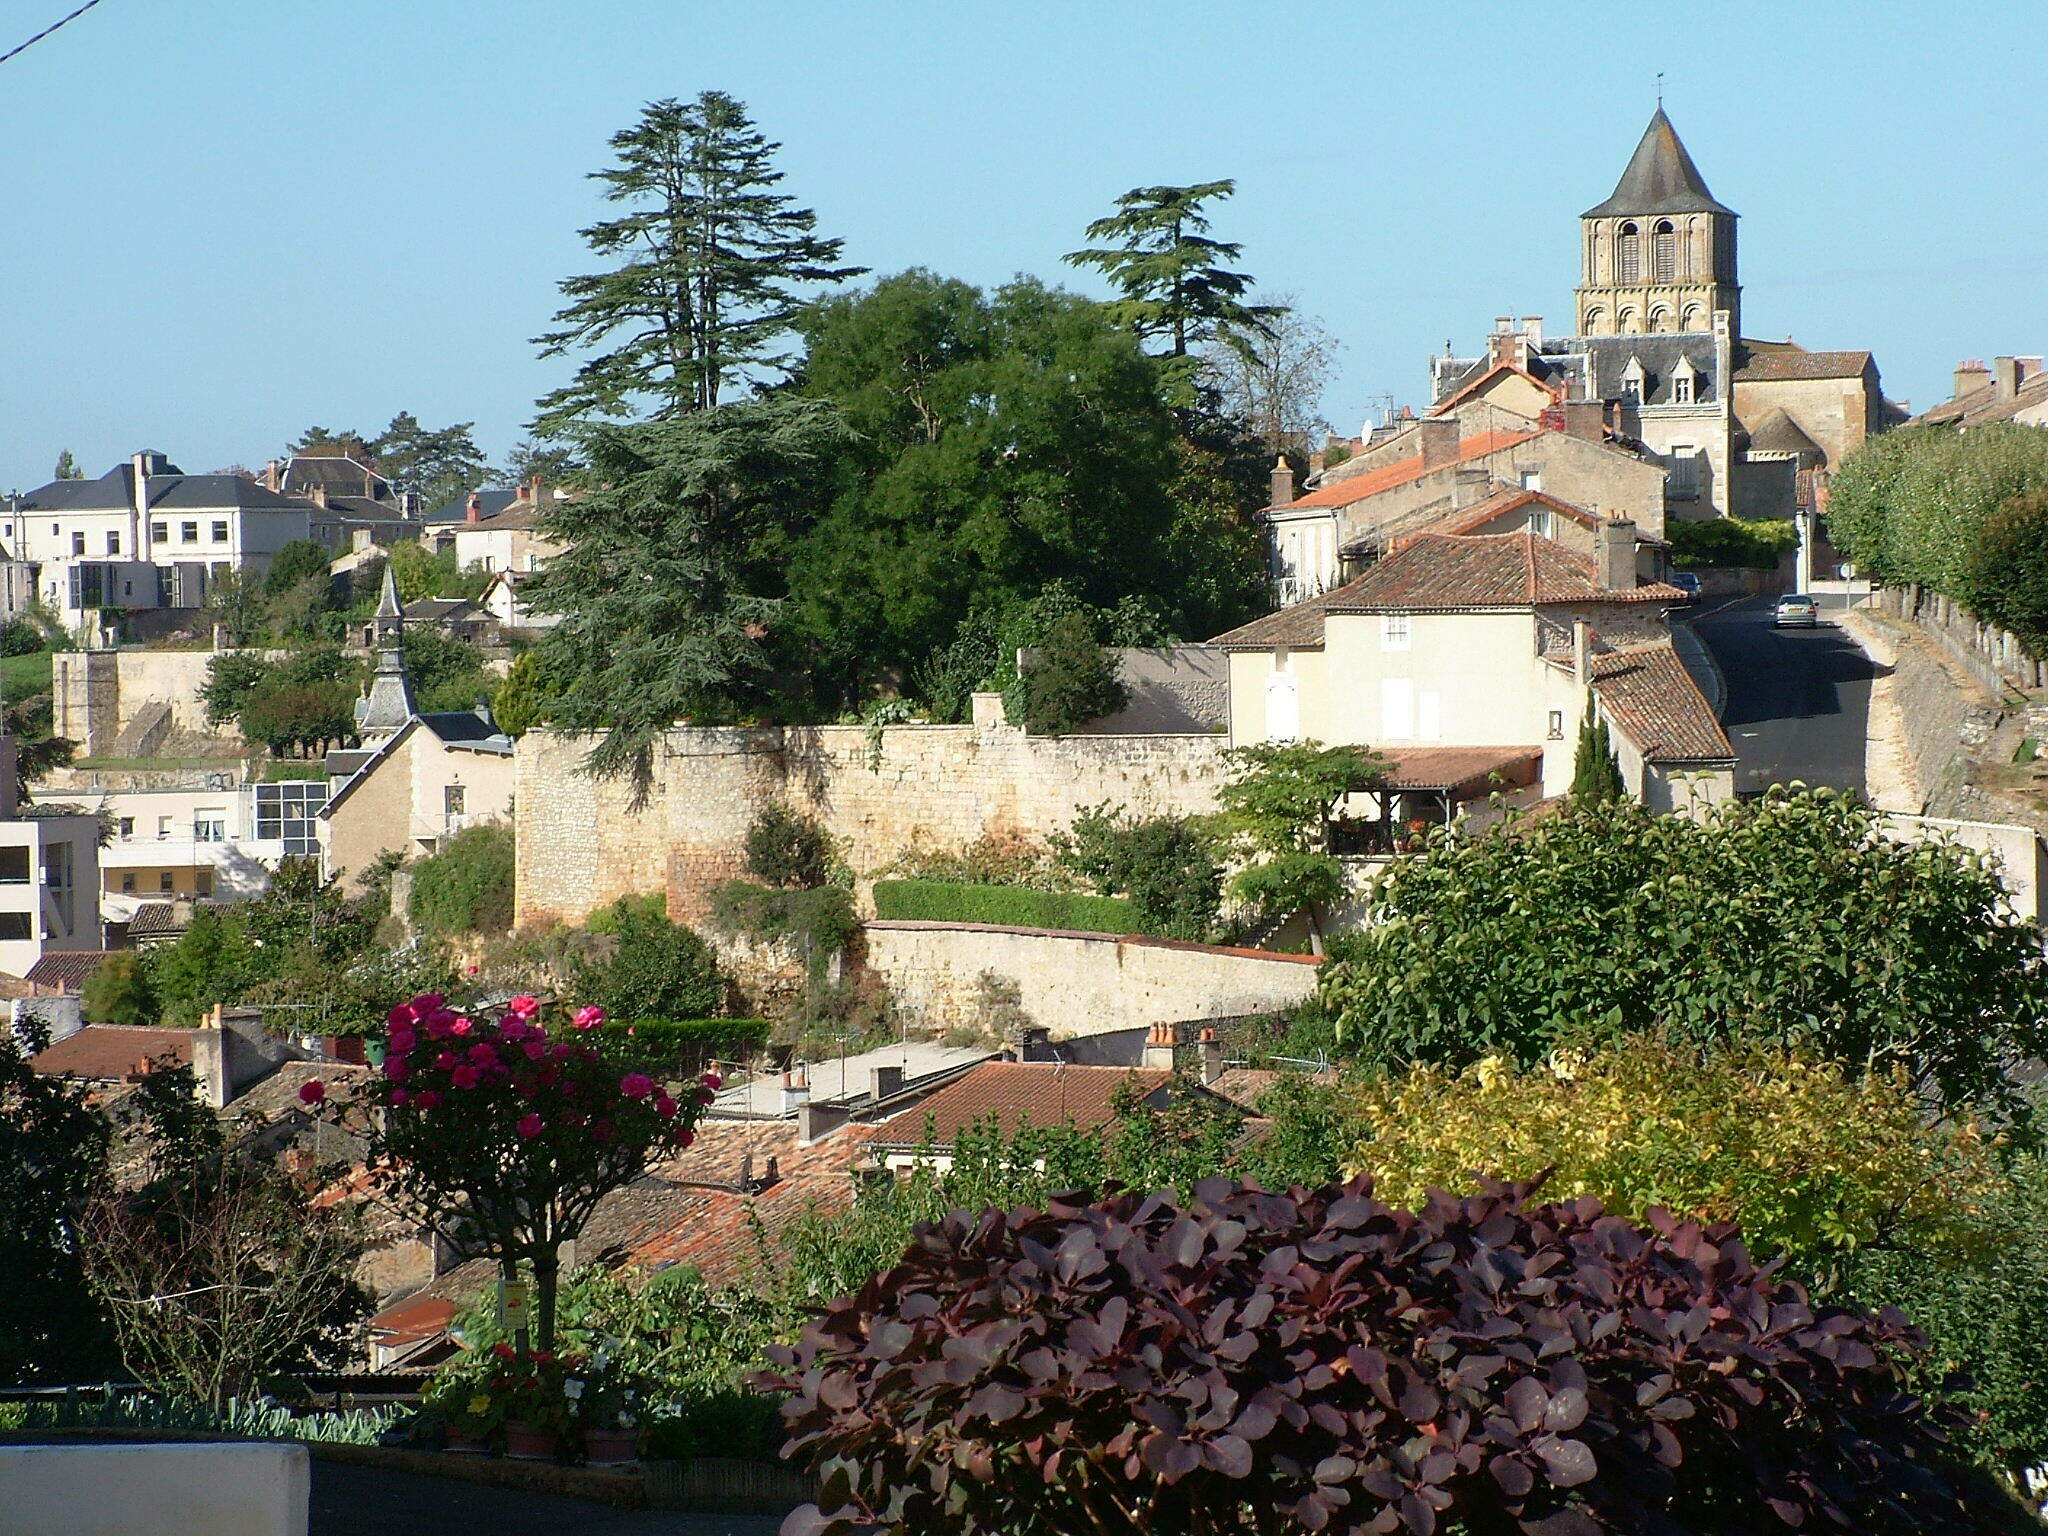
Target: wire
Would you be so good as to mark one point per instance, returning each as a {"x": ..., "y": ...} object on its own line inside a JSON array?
[{"x": 53, "y": 26}]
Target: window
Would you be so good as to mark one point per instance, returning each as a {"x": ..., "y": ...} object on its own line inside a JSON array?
[
  {"x": 1397, "y": 709},
  {"x": 452, "y": 798},
  {"x": 1283, "y": 708},
  {"x": 127, "y": 825},
  {"x": 113, "y": 543},
  {"x": 489, "y": 563},
  {"x": 210, "y": 827},
  {"x": 159, "y": 533},
  {"x": 220, "y": 531},
  {"x": 1556, "y": 725},
  {"x": 163, "y": 827},
  {"x": 1393, "y": 631},
  {"x": 1629, "y": 255},
  {"x": 188, "y": 533},
  {"x": 166, "y": 884},
  {"x": 55, "y": 530},
  {"x": 1540, "y": 523},
  {"x": 15, "y": 925},
  {"x": 1681, "y": 389},
  {"x": 78, "y": 543},
  {"x": 1664, "y": 253},
  {"x": 1532, "y": 479},
  {"x": 202, "y": 882},
  {"x": 127, "y": 885},
  {"x": 1683, "y": 478},
  {"x": 57, "y": 866},
  {"x": 13, "y": 866},
  {"x": 287, "y": 812}
]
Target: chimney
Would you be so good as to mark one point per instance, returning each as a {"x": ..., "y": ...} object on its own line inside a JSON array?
[
  {"x": 2005, "y": 374},
  {"x": 2029, "y": 368},
  {"x": 884, "y": 1083},
  {"x": 140, "y": 466},
  {"x": 1159, "y": 1049},
  {"x": 1469, "y": 485},
  {"x": 273, "y": 475},
  {"x": 1034, "y": 1043},
  {"x": 1582, "y": 653},
  {"x": 536, "y": 492},
  {"x": 1316, "y": 461},
  {"x": 1212, "y": 1056},
  {"x": 1502, "y": 324},
  {"x": 1971, "y": 375},
  {"x": 1585, "y": 418},
  {"x": 319, "y": 494},
  {"x": 1283, "y": 481},
  {"x": 473, "y": 508},
  {"x": 1438, "y": 438},
  {"x": 1532, "y": 327},
  {"x": 796, "y": 1090},
  {"x": 1615, "y": 555}
]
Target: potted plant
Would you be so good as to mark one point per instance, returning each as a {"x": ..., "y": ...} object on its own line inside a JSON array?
[
  {"x": 603, "y": 1400},
  {"x": 538, "y": 1411}
]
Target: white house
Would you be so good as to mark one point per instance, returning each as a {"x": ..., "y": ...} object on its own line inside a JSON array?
[{"x": 49, "y": 879}]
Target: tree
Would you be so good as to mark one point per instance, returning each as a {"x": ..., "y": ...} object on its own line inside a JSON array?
[
  {"x": 343, "y": 444},
  {"x": 210, "y": 964},
  {"x": 420, "y": 572},
  {"x": 435, "y": 466},
  {"x": 67, "y": 467},
  {"x": 225, "y": 1268},
  {"x": 1791, "y": 920},
  {"x": 1595, "y": 773},
  {"x": 1071, "y": 680},
  {"x": 298, "y": 560},
  {"x": 1169, "y": 270},
  {"x": 466, "y": 886},
  {"x": 788, "y": 850},
  {"x": 447, "y": 673},
  {"x": 1244, "y": 1361},
  {"x": 654, "y": 968},
  {"x": 1911, "y": 505},
  {"x": 119, "y": 991},
  {"x": 299, "y": 718},
  {"x": 521, "y": 700},
  {"x": 2006, "y": 579},
  {"x": 1278, "y": 805},
  {"x": 506, "y": 1135},
  {"x": 53, "y": 1146},
  {"x": 553, "y": 462},
  {"x": 234, "y": 602},
  {"x": 712, "y": 264},
  {"x": 1273, "y": 379},
  {"x": 1163, "y": 863},
  {"x": 686, "y": 506}
]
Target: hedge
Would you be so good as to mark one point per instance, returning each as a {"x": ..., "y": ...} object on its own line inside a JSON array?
[
  {"x": 1009, "y": 906},
  {"x": 685, "y": 1045}
]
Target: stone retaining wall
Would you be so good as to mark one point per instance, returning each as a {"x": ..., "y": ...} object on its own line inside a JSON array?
[{"x": 1991, "y": 655}]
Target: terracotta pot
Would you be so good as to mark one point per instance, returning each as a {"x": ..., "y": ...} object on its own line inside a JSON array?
[
  {"x": 463, "y": 1441},
  {"x": 529, "y": 1442},
  {"x": 609, "y": 1447}
]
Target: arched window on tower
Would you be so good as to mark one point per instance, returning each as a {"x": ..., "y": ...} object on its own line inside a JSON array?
[
  {"x": 1596, "y": 321},
  {"x": 1664, "y": 252},
  {"x": 1628, "y": 256}
]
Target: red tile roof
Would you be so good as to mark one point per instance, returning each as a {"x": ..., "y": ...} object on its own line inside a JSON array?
[
  {"x": 1509, "y": 499},
  {"x": 112, "y": 1052},
  {"x": 66, "y": 971},
  {"x": 1016, "y": 1092},
  {"x": 1495, "y": 570},
  {"x": 419, "y": 1317},
  {"x": 1341, "y": 493},
  {"x": 1464, "y": 768},
  {"x": 1652, "y": 699}
]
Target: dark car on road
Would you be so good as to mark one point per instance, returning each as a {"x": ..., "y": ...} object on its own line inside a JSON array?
[
  {"x": 1687, "y": 583},
  {"x": 1796, "y": 610}
]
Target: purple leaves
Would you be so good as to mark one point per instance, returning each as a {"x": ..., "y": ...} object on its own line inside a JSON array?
[{"x": 1266, "y": 1363}]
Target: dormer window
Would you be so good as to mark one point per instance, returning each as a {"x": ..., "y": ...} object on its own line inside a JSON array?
[
  {"x": 1632, "y": 381},
  {"x": 1684, "y": 382}
]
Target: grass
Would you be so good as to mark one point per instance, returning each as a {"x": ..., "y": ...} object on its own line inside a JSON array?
[
  {"x": 21, "y": 676},
  {"x": 229, "y": 763}
]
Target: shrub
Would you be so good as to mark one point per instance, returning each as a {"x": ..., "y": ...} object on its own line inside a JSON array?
[
  {"x": 1162, "y": 863},
  {"x": 1913, "y": 505},
  {"x": 1757, "y": 544},
  {"x": 521, "y": 700},
  {"x": 467, "y": 886},
  {"x": 119, "y": 992},
  {"x": 1595, "y": 773},
  {"x": 718, "y": 1423},
  {"x": 1278, "y": 806},
  {"x": 1255, "y": 1362},
  {"x": 656, "y": 968},
  {"x": 994, "y": 858},
  {"x": 296, "y": 561},
  {"x": 1072, "y": 680},
  {"x": 820, "y": 921},
  {"x": 787, "y": 849},
  {"x": 685, "y": 1045},
  {"x": 18, "y": 637},
  {"x": 2007, "y": 577},
  {"x": 1009, "y": 906}
]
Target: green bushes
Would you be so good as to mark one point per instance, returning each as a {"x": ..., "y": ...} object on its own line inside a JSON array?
[
  {"x": 119, "y": 991},
  {"x": 2007, "y": 574},
  {"x": 684, "y": 1046},
  {"x": 1010, "y": 906},
  {"x": 787, "y": 849},
  {"x": 1072, "y": 680},
  {"x": 656, "y": 968},
  {"x": 1756, "y": 544},
  {"x": 1163, "y": 863},
  {"x": 467, "y": 886}
]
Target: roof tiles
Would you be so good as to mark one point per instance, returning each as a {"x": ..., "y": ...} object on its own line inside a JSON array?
[{"x": 1648, "y": 694}]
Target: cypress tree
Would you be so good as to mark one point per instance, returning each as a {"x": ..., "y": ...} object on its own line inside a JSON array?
[{"x": 1596, "y": 775}]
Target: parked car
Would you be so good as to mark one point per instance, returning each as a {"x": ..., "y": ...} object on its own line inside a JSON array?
[
  {"x": 1796, "y": 610},
  {"x": 1687, "y": 583}
]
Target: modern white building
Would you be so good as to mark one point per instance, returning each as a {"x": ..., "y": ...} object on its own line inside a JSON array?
[{"x": 49, "y": 876}]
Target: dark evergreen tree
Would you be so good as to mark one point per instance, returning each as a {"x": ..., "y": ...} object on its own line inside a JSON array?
[
  {"x": 67, "y": 467},
  {"x": 1157, "y": 251},
  {"x": 436, "y": 466},
  {"x": 1595, "y": 773}
]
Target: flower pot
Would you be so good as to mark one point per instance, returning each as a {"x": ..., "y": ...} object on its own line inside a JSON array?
[
  {"x": 374, "y": 1052},
  {"x": 466, "y": 1443},
  {"x": 609, "y": 1447},
  {"x": 529, "y": 1442}
]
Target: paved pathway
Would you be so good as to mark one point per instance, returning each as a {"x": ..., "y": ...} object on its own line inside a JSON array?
[
  {"x": 1798, "y": 699},
  {"x": 375, "y": 1501}
]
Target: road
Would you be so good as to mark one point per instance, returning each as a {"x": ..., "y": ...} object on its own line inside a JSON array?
[{"x": 1798, "y": 699}]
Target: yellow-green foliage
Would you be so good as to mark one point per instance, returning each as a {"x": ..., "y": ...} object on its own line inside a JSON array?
[{"x": 1808, "y": 1161}]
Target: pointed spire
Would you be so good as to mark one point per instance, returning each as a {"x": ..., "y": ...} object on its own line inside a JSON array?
[
  {"x": 389, "y": 704},
  {"x": 1660, "y": 178},
  {"x": 388, "y": 607}
]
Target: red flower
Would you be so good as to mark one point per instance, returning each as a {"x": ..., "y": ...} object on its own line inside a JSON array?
[
  {"x": 526, "y": 1007},
  {"x": 602, "y": 1131},
  {"x": 446, "y": 1061},
  {"x": 400, "y": 1096},
  {"x": 529, "y": 1125},
  {"x": 400, "y": 1015},
  {"x": 426, "y": 1098},
  {"x": 589, "y": 1017},
  {"x": 687, "y": 1138},
  {"x": 312, "y": 1091},
  {"x": 465, "y": 1076},
  {"x": 636, "y": 1085},
  {"x": 502, "y": 1351},
  {"x": 535, "y": 1049},
  {"x": 427, "y": 1002},
  {"x": 561, "y": 1050},
  {"x": 403, "y": 1040},
  {"x": 484, "y": 1054},
  {"x": 395, "y": 1068},
  {"x": 665, "y": 1106}
]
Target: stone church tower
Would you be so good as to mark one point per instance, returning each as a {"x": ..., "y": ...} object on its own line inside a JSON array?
[{"x": 1658, "y": 255}]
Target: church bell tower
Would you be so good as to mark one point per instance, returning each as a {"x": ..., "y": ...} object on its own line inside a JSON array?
[{"x": 1659, "y": 254}]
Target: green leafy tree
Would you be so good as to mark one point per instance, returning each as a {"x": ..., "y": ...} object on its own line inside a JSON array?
[
  {"x": 231, "y": 677},
  {"x": 1163, "y": 863},
  {"x": 555, "y": 463},
  {"x": 788, "y": 850},
  {"x": 2006, "y": 579},
  {"x": 344, "y": 443},
  {"x": 119, "y": 992},
  {"x": 691, "y": 508},
  {"x": 713, "y": 266},
  {"x": 1595, "y": 773},
  {"x": 211, "y": 963},
  {"x": 1158, "y": 253},
  {"x": 235, "y": 602},
  {"x": 1911, "y": 505},
  {"x": 447, "y": 673},
  {"x": 1071, "y": 681},
  {"x": 298, "y": 718},
  {"x": 1278, "y": 805},
  {"x": 435, "y": 465},
  {"x": 521, "y": 700},
  {"x": 1792, "y": 919},
  {"x": 467, "y": 885},
  {"x": 655, "y": 969},
  {"x": 299, "y": 560},
  {"x": 67, "y": 467},
  {"x": 1758, "y": 544}
]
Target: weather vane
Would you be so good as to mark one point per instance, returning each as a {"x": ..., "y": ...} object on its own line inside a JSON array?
[{"x": 1660, "y": 90}]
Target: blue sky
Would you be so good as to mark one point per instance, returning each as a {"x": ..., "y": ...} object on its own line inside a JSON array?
[{"x": 227, "y": 221}]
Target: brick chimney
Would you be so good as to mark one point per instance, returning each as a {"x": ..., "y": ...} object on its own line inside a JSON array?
[
  {"x": 2005, "y": 374},
  {"x": 273, "y": 476},
  {"x": 1469, "y": 485},
  {"x": 796, "y": 1090},
  {"x": 319, "y": 493},
  {"x": 1437, "y": 437},
  {"x": 1212, "y": 1056},
  {"x": 1971, "y": 375},
  {"x": 1532, "y": 327},
  {"x": 1159, "y": 1048},
  {"x": 1614, "y": 557},
  {"x": 473, "y": 508},
  {"x": 1283, "y": 481},
  {"x": 1585, "y": 418},
  {"x": 536, "y": 492}
]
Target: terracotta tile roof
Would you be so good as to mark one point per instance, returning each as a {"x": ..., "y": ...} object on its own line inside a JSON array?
[
  {"x": 1508, "y": 499},
  {"x": 1652, "y": 700},
  {"x": 66, "y": 972},
  {"x": 1463, "y": 768},
  {"x": 1342, "y": 493},
  {"x": 418, "y": 1318},
  {"x": 1982, "y": 404},
  {"x": 1300, "y": 624},
  {"x": 1497, "y": 570},
  {"x": 1769, "y": 367},
  {"x": 1245, "y": 1086},
  {"x": 112, "y": 1052},
  {"x": 1014, "y": 1092}
]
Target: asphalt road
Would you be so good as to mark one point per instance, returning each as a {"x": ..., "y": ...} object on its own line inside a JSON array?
[
  {"x": 376, "y": 1501},
  {"x": 1798, "y": 699}
]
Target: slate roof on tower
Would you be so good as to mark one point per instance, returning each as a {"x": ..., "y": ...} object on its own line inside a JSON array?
[{"x": 1660, "y": 178}]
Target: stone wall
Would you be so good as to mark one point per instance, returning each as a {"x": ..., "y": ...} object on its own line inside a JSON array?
[
  {"x": 1991, "y": 655},
  {"x": 98, "y": 694},
  {"x": 945, "y": 976},
  {"x": 583, "y": 842}
]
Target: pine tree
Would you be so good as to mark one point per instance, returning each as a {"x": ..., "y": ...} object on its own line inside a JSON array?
[
  {"x": 1596, "y": 775},
  {"x": 67, "y": 467},
  {"x": 1158, "y": 252},
  {"x": 436, "y": 466},
  {"x": 711, "y": 263}
]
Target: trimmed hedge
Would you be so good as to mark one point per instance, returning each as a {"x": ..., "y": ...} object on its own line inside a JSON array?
[
  {"x": 685, "y": 1045},
  {"x": 1009, "y": 906}
]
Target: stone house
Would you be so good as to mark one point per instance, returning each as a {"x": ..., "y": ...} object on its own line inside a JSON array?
[
  {"x": 508, "y": 540},
  {"x": 2011, "y": 389},
  {"x": 1469, "y": 660}
]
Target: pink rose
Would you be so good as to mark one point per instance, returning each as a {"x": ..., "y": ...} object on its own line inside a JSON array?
[
  {"x": 427, "y": 1002},
  {"x": 395, "y": 1068},
  {"x": 636, "y": 1085},
  {"x": 535, "y": 1049},
  {"x": 426, "y": 1098},
  {"x": 460, "y": 1026},
  {"x": 713, "y": 1081},
  {"x": 465, "y": 1076},
  {"x": 484, "y": 1054},
  {"x": 446, "y": 1061},
  {"x": 526, "y": 1007},
  {"x": 400, "y": 1016},
  {"x": 529, "y": 1125},
  {"x": 589, "y": 1016},
  {"x": 400, "y": 1096},
  {"x": 403, "y": 1040},
  {"x": 665, "y": 1106},
  {"x": 312, "y": 1091}
]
